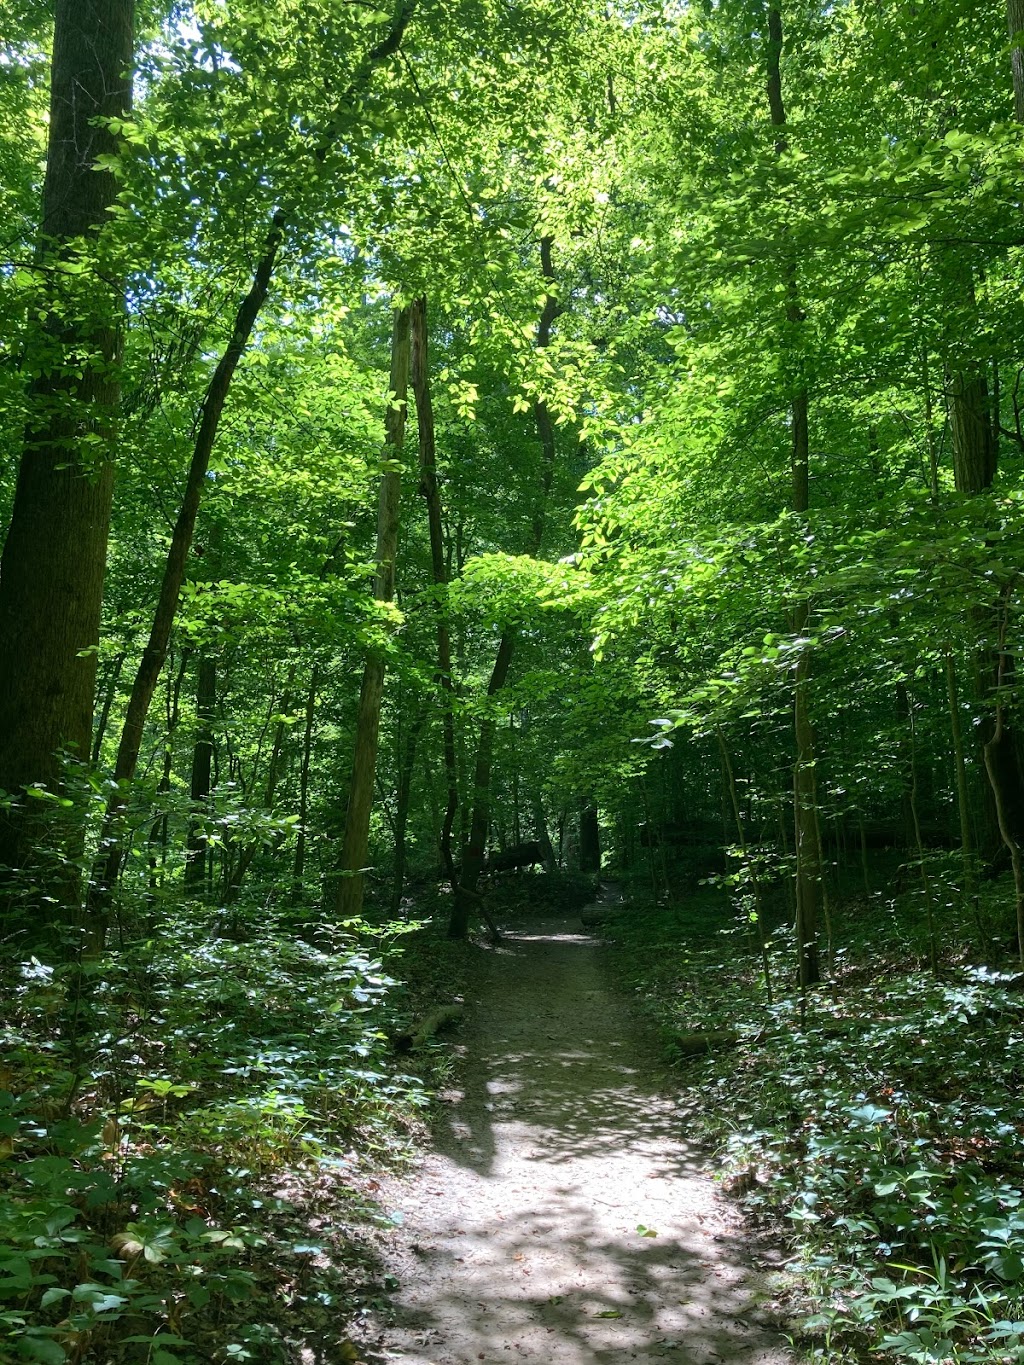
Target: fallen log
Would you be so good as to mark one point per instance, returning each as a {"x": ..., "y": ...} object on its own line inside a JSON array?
[
  {"x": 704, "y": 1040},
  {"x": 428, "y": 1026}
]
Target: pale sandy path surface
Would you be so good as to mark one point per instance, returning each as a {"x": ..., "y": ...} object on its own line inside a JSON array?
[{"x": 520, "y": 1227}]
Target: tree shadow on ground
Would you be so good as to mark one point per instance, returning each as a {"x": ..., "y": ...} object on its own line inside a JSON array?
[{"x": 561, "y": 1143}]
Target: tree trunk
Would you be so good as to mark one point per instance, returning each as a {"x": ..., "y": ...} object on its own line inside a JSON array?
[
  {"x": 299, "y": 865},
  {"x": 155, "y": 653},
  {"x": 970, "y": 424},
  {"x": 540, "y": 833},
  {"x": 406, "y": 762},
  {"x": 805, "y": 820},
  {"x": 474, "y": 850},
  {"x": 590, "y": 840},
  {"x": 429, "y": 490},
  {"x": 54, "y": 558},
  {"x": 348, "y": 897},
  {"x": 202, "y": 768},
  {"x": 1015, "y": 25}
]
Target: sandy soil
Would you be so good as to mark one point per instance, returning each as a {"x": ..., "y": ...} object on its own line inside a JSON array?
[{"x": 520, "y": 1237}]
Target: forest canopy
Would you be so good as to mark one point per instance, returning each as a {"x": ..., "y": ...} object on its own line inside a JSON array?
[{"x": 450, "y": 438}]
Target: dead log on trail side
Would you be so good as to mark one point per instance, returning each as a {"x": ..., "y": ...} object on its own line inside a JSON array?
[
  {"x": 428, "y": 1026},
  {"x": 703, "y": 1041}
]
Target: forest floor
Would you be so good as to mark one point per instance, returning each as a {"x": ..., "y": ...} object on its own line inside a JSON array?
[{"x": 560, "y": 1214}]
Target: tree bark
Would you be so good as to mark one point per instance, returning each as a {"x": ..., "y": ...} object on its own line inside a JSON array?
[
  {"x": 1015, "y": 25},
  {"x": 299, "y": 865},
  {"x": 805, "y": 820},
  {"x": 429, "y": 490},
  {"x": 590, "y": 840},
  {"x": 406, "y": 762},
  {"x": 202, "y": 768},
  {"x": 54, "y": 557},
  {"x": 970, "y": 424},
  {"x": 155, "y": 653},
  {"x": 348, "y": 897}
]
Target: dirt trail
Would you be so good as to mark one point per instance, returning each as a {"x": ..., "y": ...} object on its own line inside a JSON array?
[{"x": 519, "y": 1236}]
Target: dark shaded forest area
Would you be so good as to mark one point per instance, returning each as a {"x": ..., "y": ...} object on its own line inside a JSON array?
[{"x": 455, "y": 454}]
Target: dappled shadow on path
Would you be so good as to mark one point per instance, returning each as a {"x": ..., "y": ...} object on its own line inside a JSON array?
[
  {"x": 564, "y": 1218},
  {"x": 552, "y": 1051}
]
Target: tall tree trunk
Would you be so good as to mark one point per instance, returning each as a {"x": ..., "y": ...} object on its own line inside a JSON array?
[
  {"x": 590, "y": 841},
  {"x": 299, "y": 865},
  {"x": 474, "y": 849},
  {"x": 406, "y": 762},
  {"x": 991, "y": 752},
  {"x": 348, "y": 897},
  {"x": 970, "y": 425},
  {"x": 54, "y": 557},
  {"x": 540, "y": 833},
  {"x": 155, "y": 653},
  {"x": 1015, "y": 25},
  {"x": 805, "y": 819},
  {"x": 429, "y": 490},
  {"x": 202, "y": 768}
]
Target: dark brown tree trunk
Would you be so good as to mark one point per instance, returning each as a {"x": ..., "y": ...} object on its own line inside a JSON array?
[
  {"x": 590, "y": 840},
  {"x": 202, "y": 768},
  {"x": 540, "y": 833},
  {"x": 155, "y": 653},
  {"x": 970, "y": 424},
  {"x": 406, "y": 762},
  {"x": 1015, "y": 25},
  {"x": 184, "y": 528},
  {"x": 429, "y": 490},
  {"x": 805, "y": 817},
  {"x": 54, "y": 558},
  {"x": 348, "y": 896},
  {"x": 299, "y": 866}
]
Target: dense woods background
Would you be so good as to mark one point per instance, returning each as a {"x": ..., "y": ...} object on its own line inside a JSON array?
[{"x": 452, "y": 440}]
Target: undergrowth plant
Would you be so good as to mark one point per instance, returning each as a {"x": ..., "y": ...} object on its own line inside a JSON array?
[
  {"x": 175, "y": 1118},
  {"x": 880, "y": 1118}
]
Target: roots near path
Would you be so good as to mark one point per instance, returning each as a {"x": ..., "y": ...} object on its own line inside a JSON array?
[{"x": 520, "y": 1231}]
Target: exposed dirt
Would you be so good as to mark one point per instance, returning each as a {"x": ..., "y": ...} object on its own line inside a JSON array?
[{"x": 520, "y": 1229}]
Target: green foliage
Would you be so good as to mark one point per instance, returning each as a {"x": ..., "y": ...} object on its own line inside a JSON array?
[
  {"x": 880, "y": 1120},
  {"x": 167, "y": 1113}
]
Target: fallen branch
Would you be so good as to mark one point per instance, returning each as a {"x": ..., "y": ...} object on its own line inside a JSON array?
[
  {"x": 704, "y": 1040},
  {"x": 428, "y": 1026}
]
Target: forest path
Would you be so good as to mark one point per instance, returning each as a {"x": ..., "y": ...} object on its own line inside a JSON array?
[{"x": 519, "y": 1236}]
